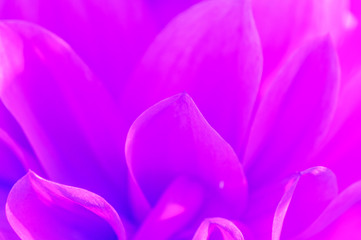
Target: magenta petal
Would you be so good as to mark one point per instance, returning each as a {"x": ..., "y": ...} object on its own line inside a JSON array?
[
  {"x": 40, "y": 209},
  {"x": 342, "y": 151},
  {"x": 65, "y": 113},
  {"x": 177, "y": 208},
  {"x": 212, "y": 52},
  {"x": 218, "y": 228},
  {"x": 172, "y": 139},
  {"x": 284, "y": 25},
  {"x": 306, "y": 196},
  {"x": 110, "y": 36},
  {"x": 341, "y": 219},
  {"x": 294, "y": 113}
]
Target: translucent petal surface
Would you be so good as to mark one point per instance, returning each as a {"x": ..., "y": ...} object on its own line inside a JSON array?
[
  {"x": 294, "y": 113},
  {"x": 172, "y": 139},
  {"x": 212, "y": 52},
  {"x": 218, "y": 228},
  {"x": 65, "y": 113},
  {"x": 40, "y": 209},
  {"x": 110, "y": 36},
  {"x": 306, "y": 196}
]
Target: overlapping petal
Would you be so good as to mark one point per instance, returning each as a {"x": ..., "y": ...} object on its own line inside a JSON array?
[
  {"x": 40, "y": 209},
  {"x": 110, "y": 36},
  {"x": 284, "y": 25},
  {"x": 340, "y": 219},
  {"x": 65, "y": 113},
  {"x": 211, "y": 51},
  {"x": 306, "y": 196},
  {"x": 172, "y": 140},
  {"x": 294, "y": 113},
  {"x": 218, "y": 228},
  {"x": 341, "y": 152}
]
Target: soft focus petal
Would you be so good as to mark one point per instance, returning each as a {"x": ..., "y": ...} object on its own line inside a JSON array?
[
  {"x": 294, "y": 113},
  {"x": 177, "y": 208},
  {"x": 40, "y": 209},
  {"x": 341, "y": 219},
  {"x": 65, "y": 113},
  {"x": 110, "y": 35},
  {"x": 6, "y": 232},
  {"x": 350, "y": 48},
  {"x": 342, "y": 150},
  {"x": 306, "y": 196},
  {"x": 217, "y": 229},
  {"x": 163, "y": 11},
  {"x": 211, "y": 51},
  {"x": 284, "y": 25},
  {"x": 171, "y": 140}
]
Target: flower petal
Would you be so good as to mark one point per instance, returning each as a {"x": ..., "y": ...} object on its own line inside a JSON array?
[
  {"x": 294, "y": 114},
  {"x": 172, "y": 139},
  {"x": 284, "y": 25},
  {"x": 211, "y": 51},
  {"x": 341, "y": 218},
  {"x": 110, "y": 36},
  {"x": 65, "y": 113},
  {"x": 305, "y": 197},
  {"x": 177, "y": 208},
  {"x": 341, "y": 151},
  {"x": 40, "y": 209},
  {"x": 218, "y": 228}
]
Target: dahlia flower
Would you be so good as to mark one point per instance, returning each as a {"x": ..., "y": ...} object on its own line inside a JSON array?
[{"x": 213, "y": 119}]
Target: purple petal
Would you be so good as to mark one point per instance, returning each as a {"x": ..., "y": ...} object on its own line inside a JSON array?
[
  {"x": 341, "y": 218},
  {"x": 110, "y": 36},
  {"x": 163, "y": 11},
  {"x": 65, "y": 113},
  {"x": 211, "y": 51},
  {"x": 6, "y": 232},
  {"x": 284, "y": 25},
  {"x": 40, "y": 209},
  {"x": 172, "y": 139},
  {"x": 305, "y": 197},
  {"x": 294, "y": 113},
  {"x": 218, "y": 228},
  {"x": 177, "y": 208}
]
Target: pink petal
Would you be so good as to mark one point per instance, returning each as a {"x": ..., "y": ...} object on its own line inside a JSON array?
[
  {"x": 177, "y": 208},
  {"x": 350, "y": 47},
  {"x": 342, "y": 147},
  {"x": 110, "y": 36},
  {"x": 163, "y": 11},
  {"x": 284, "y": 25},
  {"x": 40, "y": 209},
  {"x": 172, "y": 139},
  {"x": 341, "y": 219},
  {"x": 218, "y": 228},
  {"x": 211, "y": 51},
  {"x": 305, "y": 197},
  {"x": 294, "y": 113},
  {"x": 65, "y": 113}
]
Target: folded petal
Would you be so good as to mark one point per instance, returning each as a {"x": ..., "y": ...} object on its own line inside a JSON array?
[
  {"x": 211, "y": 51},
  {"x": 305, "y": 197},
  {"x": 65, "y": 113},
  {"x": 172, "y": 139},
  {"x": 294, "y": 114},
  {"x": 341, "y": 218},
  {"x": 218, "y": 228},
  {"x": 40, "y": 209},
  {"x": 283, "y": 25},
  {"x": 110, "y": 36}
]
